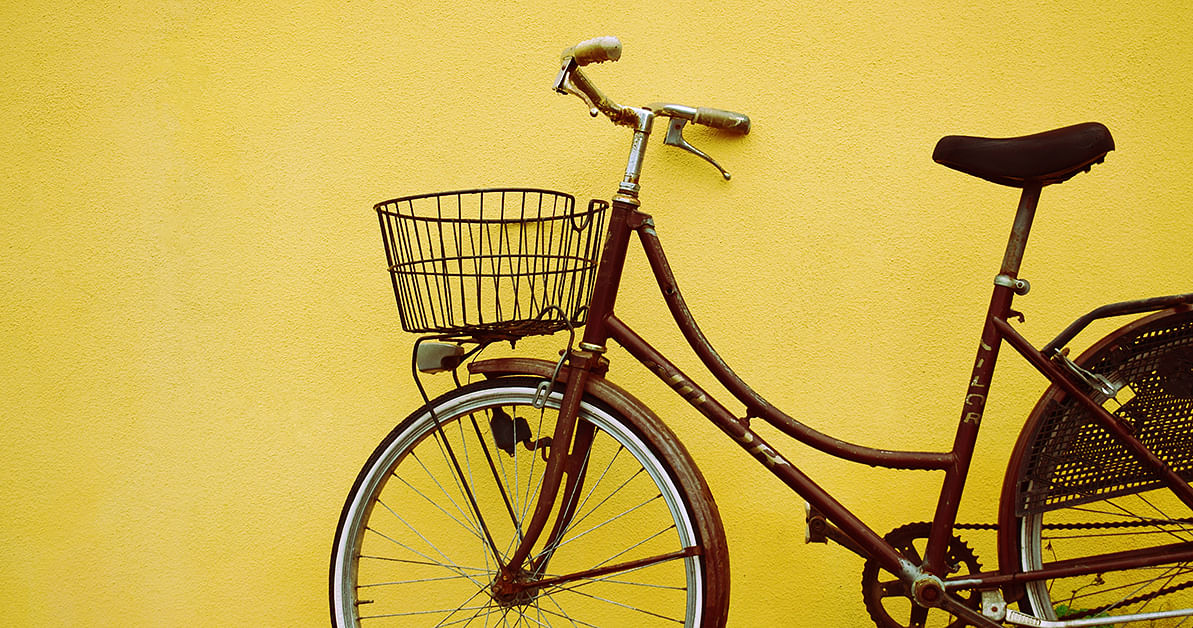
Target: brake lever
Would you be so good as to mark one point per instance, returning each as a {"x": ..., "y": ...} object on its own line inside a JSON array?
[{"x": 675, "y": 138}]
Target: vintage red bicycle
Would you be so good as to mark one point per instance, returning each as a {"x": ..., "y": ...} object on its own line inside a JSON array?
[{"x": 543, "y": 494}]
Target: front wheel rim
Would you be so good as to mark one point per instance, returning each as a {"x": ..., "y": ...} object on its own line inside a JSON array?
[{"x": 368, "y": 498}]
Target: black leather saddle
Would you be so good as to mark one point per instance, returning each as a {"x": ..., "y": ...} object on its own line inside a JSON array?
[{"x": 1040, "y": 159}]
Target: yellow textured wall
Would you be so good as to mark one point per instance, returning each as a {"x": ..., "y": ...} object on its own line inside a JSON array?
[{"x": 198, "y": 345}]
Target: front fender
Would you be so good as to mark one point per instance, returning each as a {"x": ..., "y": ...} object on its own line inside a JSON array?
[{"x": 599, "y": 387}]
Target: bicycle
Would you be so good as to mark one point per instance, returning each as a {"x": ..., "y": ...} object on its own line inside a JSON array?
[{"x": 544, "y": 494}]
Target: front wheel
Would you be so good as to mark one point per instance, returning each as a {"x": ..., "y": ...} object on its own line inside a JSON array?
[
  {"x": 1079, "y": 494},
  {"x": 444, "y": 500}
]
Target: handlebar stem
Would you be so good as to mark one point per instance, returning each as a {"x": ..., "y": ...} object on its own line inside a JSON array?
[{"x": 643, "y": 121}]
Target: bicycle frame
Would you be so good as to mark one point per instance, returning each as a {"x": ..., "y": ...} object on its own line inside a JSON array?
[{"x": 603, "y": 324}]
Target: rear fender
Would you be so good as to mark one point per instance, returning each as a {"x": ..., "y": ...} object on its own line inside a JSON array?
[{"x": 1008, "y": 544}]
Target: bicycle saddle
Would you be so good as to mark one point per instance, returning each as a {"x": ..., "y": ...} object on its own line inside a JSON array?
[{"x": 1040, "y": 159}]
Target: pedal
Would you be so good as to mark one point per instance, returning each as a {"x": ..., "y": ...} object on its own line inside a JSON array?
[
  {"x": 994, "y": 607},
  {"x": 819, "y": 530}
]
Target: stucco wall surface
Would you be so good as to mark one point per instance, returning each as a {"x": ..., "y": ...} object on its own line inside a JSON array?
[{"x": 198, "y": 344}]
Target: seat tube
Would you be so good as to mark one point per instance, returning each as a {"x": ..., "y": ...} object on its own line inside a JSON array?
[{"x": 979, "y": 382}]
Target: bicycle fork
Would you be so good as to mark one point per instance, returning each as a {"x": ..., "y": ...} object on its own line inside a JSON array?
[
  {"x": 570, "y": 444},
  {"x": 571, "y": 441}
]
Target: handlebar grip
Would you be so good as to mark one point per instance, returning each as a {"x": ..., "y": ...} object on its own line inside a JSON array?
[
  {"x": 725, "y": 120},
  {"x": 596, "y": 50}
]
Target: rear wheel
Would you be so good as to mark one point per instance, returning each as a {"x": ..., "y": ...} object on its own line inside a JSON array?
[
  {"x": 1081, "y": 494},
  {"x": 444, "y": 500}
]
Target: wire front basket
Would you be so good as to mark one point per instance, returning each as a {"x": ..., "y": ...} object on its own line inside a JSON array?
[{"x": 491, "y": 264}]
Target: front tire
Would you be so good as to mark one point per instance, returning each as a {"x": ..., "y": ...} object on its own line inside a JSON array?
[{"x": 420, "y": 543}]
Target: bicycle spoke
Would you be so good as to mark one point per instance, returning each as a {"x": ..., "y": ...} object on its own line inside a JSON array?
[
  {"x": 534, "y": 458},
  {"x": 1122, "y": 512},
  {"x": 488, "y": 609},
  {"x": 493, "y": 469},
  {"x": 462, "y": 607},
  {"x": 567, "y": 505},
  {"x": 625, "y": 606},
  {"x": 636, "y": 545},
  {"x": 563, "y": 614},
  {"x": 450, "y": 456},
  {"x": 420, "y": 562},
  {"x": 1135, "y": 587},
  {"x": 430, "y": 475},
  {"x": 1131, "y": 533},
  {"x": 470, "y": 529},
  {"x": 610, "y": 580},
  {"x": 577, "y": 582},
  {"x": 417, "y": 613},
  {"x": 450, "y": 566},
  {"x": 416, "y": 532},
  {"x": 425, "y": 549},
  {"x": 1144, "y": 499},
  {"x": 602, "y": 524},
  {"x": 416, "y": 581},
  {"x": 578, "y": 520},
  {"x": 1160, "y": 587},
  {"x": 626, "y": 567},
  {"x": 525, "y": 616}
]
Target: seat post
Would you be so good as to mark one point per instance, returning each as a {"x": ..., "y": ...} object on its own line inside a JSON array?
[{"x": 1019, "y": 232}]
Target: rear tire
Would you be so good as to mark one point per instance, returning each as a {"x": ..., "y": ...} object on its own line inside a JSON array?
[
  {"x": 1080, "y": 494},
  {"x": 411, "y": 550}
]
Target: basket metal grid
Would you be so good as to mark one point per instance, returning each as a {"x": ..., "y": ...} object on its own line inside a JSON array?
[
  {"x": 1075, "y": 460},
  {"x": 491, "y": 263}
]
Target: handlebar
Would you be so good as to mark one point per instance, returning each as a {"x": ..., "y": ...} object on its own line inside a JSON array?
[
  {"x": 600, "y": 49},
  {"x": 721, "y": 119},
  {"x": 572, "y": 81}
]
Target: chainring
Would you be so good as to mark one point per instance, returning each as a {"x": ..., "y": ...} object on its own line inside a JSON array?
[{"x": 886, "y": 596}]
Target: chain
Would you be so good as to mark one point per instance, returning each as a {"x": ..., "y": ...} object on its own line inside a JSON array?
[
  {"x": 1083, "y": 526},
  {"x": 1099, "y": 526},
  {"x": 975, "y": 526}
]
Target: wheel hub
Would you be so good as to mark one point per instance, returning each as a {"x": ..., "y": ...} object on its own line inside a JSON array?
[{"x": 511, "y": 592}]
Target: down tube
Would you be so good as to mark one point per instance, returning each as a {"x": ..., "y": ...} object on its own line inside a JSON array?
[{"x": 740, "y": 432}]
